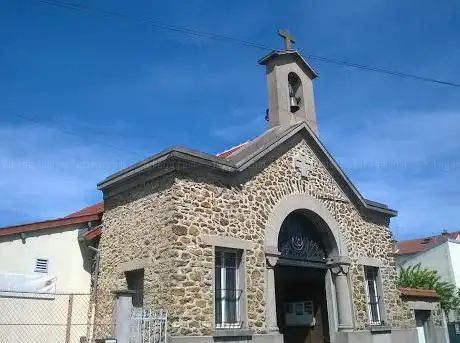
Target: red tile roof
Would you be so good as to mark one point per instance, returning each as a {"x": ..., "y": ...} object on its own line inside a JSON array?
[
  {"x": 419, "y": 292},
  {"x": 233, "y": 149},
  {"x": 413, "y": 246},
  {"x": 90, "y": 213},
  {"x": 87, "y": 214},
  {"x": 93, "y": 209},
  {"x": 93, "y": 233}
]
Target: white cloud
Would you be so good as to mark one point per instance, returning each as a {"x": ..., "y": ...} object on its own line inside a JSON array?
[
  {"x": 397, "y": 138},
  {"x": 248, "y": 129},
  {"x": 45, "y": 173},
  {"x": 408, "y": 160}
]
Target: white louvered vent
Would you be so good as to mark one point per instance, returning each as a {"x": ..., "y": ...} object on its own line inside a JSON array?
[{"x": 41, "y": 265}]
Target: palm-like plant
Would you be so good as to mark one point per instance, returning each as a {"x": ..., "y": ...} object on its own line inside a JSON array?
[{"x": 418, "y": 277}]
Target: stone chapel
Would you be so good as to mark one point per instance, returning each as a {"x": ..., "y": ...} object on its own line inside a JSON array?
[{"x": 268, "y": 242}]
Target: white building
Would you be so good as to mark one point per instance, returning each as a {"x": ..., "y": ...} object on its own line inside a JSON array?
[
  {"x": 440, "y": 253},
  {"x": 45, "y": 278}
]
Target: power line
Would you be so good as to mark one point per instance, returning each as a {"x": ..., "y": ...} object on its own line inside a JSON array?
[
  {"x": 73, "y": 133},
  {"x": 225, "y": 38}
]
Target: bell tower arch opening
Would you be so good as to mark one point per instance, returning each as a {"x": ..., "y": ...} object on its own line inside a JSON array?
[{"x": 295, "y": 92}]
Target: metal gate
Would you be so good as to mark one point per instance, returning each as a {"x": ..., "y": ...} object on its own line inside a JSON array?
[{"x": 148, "y": 326}]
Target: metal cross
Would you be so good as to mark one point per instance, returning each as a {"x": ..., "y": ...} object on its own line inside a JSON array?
[{"x": 288, "y": 39}]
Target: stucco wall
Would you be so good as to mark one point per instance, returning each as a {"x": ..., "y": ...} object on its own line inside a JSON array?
[
  {"x": 48, "y": 316},
  {"x": 437, "y": 258},
  {"x": 454, "y": 252},
  {"x": 59, "y": 246},
  {"x": 199, "y": 207}
]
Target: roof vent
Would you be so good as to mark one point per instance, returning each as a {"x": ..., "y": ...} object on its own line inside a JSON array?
[{"x": 426, "y": 240}]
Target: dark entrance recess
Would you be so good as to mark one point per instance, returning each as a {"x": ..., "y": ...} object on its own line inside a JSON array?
[
  {"x": 301, "y": 305},
  {"x": 297, "y": 285}
]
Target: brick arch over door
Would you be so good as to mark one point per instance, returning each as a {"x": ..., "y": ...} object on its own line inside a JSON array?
[{"x": 316, "y": 211}]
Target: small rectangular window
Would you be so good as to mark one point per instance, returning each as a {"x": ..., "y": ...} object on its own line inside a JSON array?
[
  {"x": 135, "y": 281},
  {"x": 228, "y": 292},
  {"x": 373, "y": 296},
  {"x": 41, "y": 265}
]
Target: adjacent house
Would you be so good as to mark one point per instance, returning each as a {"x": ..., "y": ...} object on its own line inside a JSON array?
[
  {"x": 440, "y": 253},
  {"x": 45, "y": 277}
]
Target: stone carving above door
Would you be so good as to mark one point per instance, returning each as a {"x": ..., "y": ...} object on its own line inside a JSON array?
[{"x": 303, "y": 164}]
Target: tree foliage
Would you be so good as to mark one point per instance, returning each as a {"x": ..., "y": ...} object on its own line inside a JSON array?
[{"x": 418, "y": 277}]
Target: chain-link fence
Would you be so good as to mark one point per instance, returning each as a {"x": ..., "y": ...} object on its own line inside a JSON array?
[{"x": 47, "y": 318}]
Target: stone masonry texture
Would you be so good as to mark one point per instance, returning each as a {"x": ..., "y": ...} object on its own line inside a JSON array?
[{"x": 164, "y": 221}]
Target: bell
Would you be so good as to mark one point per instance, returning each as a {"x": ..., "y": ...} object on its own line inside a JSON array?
[{"x": 294, "y": 103}]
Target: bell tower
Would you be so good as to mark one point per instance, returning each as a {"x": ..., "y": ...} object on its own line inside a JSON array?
[{"x": 290, "y": 86}]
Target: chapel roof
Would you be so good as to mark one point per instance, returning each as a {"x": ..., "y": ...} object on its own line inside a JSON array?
[
  {"x": 233, "y": 149},
  {"x": 231, "y": 159},
  {"x": 238, "y": 159}
]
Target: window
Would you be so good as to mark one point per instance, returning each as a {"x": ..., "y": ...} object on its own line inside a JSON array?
[
  {"x": 41, "y": 265},
  {"x": 135, "y": 281},
  {"x": 227, "y": 289},
  {"x": 373, "y": 297}
]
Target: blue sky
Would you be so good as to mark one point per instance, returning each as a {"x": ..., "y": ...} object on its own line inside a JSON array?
[{"x": 132, "y": 86}]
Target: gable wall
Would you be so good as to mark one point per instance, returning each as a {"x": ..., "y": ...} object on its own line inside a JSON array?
[
  {"x": 242, "y": 212},
  {"x": 174, "y": 214}
]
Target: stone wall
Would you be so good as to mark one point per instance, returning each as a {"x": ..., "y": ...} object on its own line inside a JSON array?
[
  {"x": 138, "y": 229},
  {"x": 194, "y": 206},
  {"x": 241, "y": 211},
  {"x": 437, "y": 316}
]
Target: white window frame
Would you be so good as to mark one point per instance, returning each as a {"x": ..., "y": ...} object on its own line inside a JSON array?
[
  {"x": 238, "y": 323},
  {"x": 375, "y": 272},
  {"x": 41, "y": 260}
]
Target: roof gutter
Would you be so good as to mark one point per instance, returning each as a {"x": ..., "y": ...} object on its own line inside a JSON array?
[{"x": 49, "y": 224}]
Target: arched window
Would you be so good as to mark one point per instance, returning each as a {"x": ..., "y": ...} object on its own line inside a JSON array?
[
  {"x": 299, "y": 238},
  {"x": 295, "y": 90}
]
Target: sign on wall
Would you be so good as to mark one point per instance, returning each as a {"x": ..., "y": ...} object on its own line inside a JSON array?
[{"x": 299, "y": 313}]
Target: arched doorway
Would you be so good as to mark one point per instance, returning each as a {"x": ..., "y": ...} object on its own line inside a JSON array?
[
  {"x": 300, "y": 273},
  {"x": 318, "y": 225}
]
